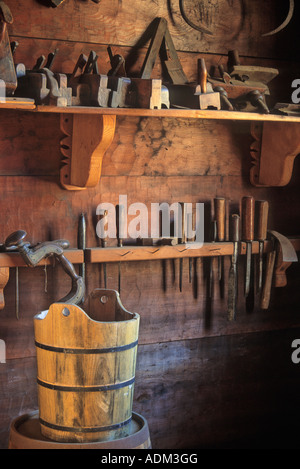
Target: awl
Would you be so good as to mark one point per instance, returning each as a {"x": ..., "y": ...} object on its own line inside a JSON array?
[{"x": 233, "y": 271}]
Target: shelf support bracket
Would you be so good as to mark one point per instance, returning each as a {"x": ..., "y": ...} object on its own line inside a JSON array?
[
  {"x": 4, "y": 276},
  {"x": 275, "y": 147},
  {"x": 87, "y": 137}
]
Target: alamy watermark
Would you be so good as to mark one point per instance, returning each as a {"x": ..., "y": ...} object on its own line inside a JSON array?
[
  {"x": 182, "y": 221},
  {"x": 296, "y": 94},
  {"x": 2, "y": 351},
  {"x": 296, "y": 353}
]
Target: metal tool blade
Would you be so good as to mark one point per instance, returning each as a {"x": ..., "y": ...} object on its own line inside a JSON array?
[
  {"x": 233, "y": 271},
  {"x": 81, "y": 243}
]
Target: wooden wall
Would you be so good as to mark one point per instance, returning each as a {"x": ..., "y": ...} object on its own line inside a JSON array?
[{"x": 201, "y": 382}]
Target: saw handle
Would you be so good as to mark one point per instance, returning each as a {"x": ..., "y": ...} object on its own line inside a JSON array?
[
  {"x": 202, "y": 75},
  {"x": 262, "y": 211},
  {"x": 248, "y": 205}
]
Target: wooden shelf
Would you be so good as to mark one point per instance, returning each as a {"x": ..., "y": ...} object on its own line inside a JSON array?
[
  {"x": 177, "y": 113},
  {"x": 173, "y": 112},
  {"x": 90, "y": 130}
]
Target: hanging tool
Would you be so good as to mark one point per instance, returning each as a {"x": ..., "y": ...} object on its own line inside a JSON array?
[
  {"x": 285, "y": 22},
  {"x": 201, "y": 28},
  {"x": 104, "y": 244},
  {"x": 208, "y": 98},
  {"x": 17, "y": 293},
  {"x": 81, "y": 244},
  {"x": 248, "y": 210},
  {"x": 233, "y": 272},
  {"x": 120, "y": 220},
  {"x": 269, "y": 271},
  {"x": 286, "y": 252},
  {"x": 190, "y": 226},
  {"x": 261, "y": 211},
  {"x": 183, "y": 238},
  {"x": 219, "y": 207},
  {"x": 213, "y": 237},
  {"x": 33, "y": 255}
]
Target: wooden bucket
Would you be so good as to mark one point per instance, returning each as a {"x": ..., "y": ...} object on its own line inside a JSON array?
[
  {"x": 86, "y": 369},
  {"x": 25, "y": 433}
]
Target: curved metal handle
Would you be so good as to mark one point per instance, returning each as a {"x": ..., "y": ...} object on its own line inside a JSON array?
[{"x": 33, "y": 255}]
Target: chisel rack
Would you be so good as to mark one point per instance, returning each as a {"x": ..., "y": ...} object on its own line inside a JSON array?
[{"x": 149, "y": 253}]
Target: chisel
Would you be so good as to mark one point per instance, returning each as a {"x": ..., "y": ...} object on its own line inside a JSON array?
[
  {"x": 233, "y": 273},
  {"x": 81, "y": 244},
  {"x": 104, "y": 243},
  {"x": 213, "y": 237},
  {"x": 248, "y": 236},
  {"x": 120, "y": 213},
  {"x": 190, "y": 226},
  {"x": 219, "y": 206},
  {"x": 262, "y": 211},
  {"x": 17, "y": 293},
  {"x": 103, "y": 219},
  {"x": 182, "y": 239}
]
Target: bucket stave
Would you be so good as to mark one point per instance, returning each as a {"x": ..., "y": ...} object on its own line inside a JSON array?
[{"x": 86, "y": 369}]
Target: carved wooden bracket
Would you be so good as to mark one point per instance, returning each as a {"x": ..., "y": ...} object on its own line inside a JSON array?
[
  {"x": 283, "y": 263},
  {"x": 88, "y": 136},
  {"x": 273, "y": 152},
  {"x": 4, "y": 276}
]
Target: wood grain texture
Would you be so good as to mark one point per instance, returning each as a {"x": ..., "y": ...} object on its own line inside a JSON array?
[
  {"x": 273, "y": 158},
  {"x": 200, "y": 381},
  {"x": 90, "y": 365},
  {"x": 224, "y": 403},
  {"x": 234, "y": 24},
  {"x": 88, "y": 135}
]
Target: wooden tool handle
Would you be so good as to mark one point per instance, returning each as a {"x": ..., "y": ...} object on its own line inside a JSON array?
[
  {"x": 219, "y": 204},
  {"x": 235, "y": 228},
  {"x": 266, "y": 293},
  {"x": 262, "y": 211},
  {"x": 233, "y": 57},
  {"x": 248, "y": 218},
  {"x": 202, "y": 75}
]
